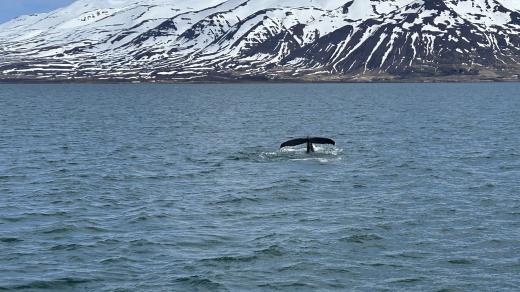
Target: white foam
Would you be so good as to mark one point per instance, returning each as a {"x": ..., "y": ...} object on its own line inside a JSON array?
[{"x": 322, "y": 154}]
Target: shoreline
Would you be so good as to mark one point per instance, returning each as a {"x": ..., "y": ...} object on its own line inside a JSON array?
[{"x": 252, "y": 81}]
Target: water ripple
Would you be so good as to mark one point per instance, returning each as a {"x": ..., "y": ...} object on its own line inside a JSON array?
[{"x": 183, "y": 187}]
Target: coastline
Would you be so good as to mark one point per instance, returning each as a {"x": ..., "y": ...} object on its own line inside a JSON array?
[{"x": 255, "y": 81}]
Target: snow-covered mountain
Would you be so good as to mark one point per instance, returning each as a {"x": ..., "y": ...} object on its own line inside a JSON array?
[{"x": 265, "y": 39}]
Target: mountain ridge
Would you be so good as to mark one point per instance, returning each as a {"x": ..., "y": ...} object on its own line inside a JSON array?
[{"x": 311, "y": 40}]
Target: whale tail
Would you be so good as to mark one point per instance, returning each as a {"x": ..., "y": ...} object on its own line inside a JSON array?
[{"x": 309, "y": 141}]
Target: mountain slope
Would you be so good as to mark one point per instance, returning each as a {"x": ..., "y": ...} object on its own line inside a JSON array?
[
  {"x": 266, "y": 39},
  {"x": 426, "y": 36}
]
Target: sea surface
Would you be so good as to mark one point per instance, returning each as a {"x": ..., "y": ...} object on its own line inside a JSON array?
[{"x": 136, "y": 187}]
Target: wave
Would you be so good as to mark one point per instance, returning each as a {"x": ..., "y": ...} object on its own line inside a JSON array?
[
  {"x": 10, "y": 239},
  {"x": 361, "y": 238},
  {"x": 12, "y": 177},
  {"x": 405, "y": 280},
  {"x": 199, "y": 282},
  {"x": 116, "y": 260},
  {"x": 67, "y": 247},
  {"x": 269, "y": 252},
  {"x": 407, "y": 254},
  {"x": 273, "y": 250},
  {"x": 462, "y": 261},
  {"x": 323, "y": 154},
  {"x": 292, "y": 286},
  {"x": 231, "y": 259},
  {"x": 53, "y": 285},
  {"x": 58, "y": 230},
  {"x": 236, "y": 200}
]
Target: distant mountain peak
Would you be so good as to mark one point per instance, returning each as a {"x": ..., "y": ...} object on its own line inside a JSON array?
[{"x": 186, "y": 40}]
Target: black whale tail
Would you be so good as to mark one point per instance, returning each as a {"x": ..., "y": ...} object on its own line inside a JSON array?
[{"x": 309, "y": 141}]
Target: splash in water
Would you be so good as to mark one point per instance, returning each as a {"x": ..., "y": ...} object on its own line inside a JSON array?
[{"x": 323, "y": 154}]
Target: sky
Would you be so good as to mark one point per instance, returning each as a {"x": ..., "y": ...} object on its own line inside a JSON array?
[{"x": 10, "y": 9}]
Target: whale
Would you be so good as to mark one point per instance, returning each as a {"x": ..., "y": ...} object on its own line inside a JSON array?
[{"x": 309, "y": 141}]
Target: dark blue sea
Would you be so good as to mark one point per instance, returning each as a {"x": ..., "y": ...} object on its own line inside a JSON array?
[{"x": 184, "y": 188}]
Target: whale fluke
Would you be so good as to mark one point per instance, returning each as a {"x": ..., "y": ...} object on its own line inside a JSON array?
[
  {"x": 309, "y": 141},
  {"x": 317, "y": 140},
  {"x": 294, "y": 142}
]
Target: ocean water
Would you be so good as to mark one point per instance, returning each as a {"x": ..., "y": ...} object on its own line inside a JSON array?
[{"x": 183, "y": 187}]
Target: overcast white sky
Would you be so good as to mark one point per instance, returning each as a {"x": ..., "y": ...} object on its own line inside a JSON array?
[{"x": 10, "y": 9}]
